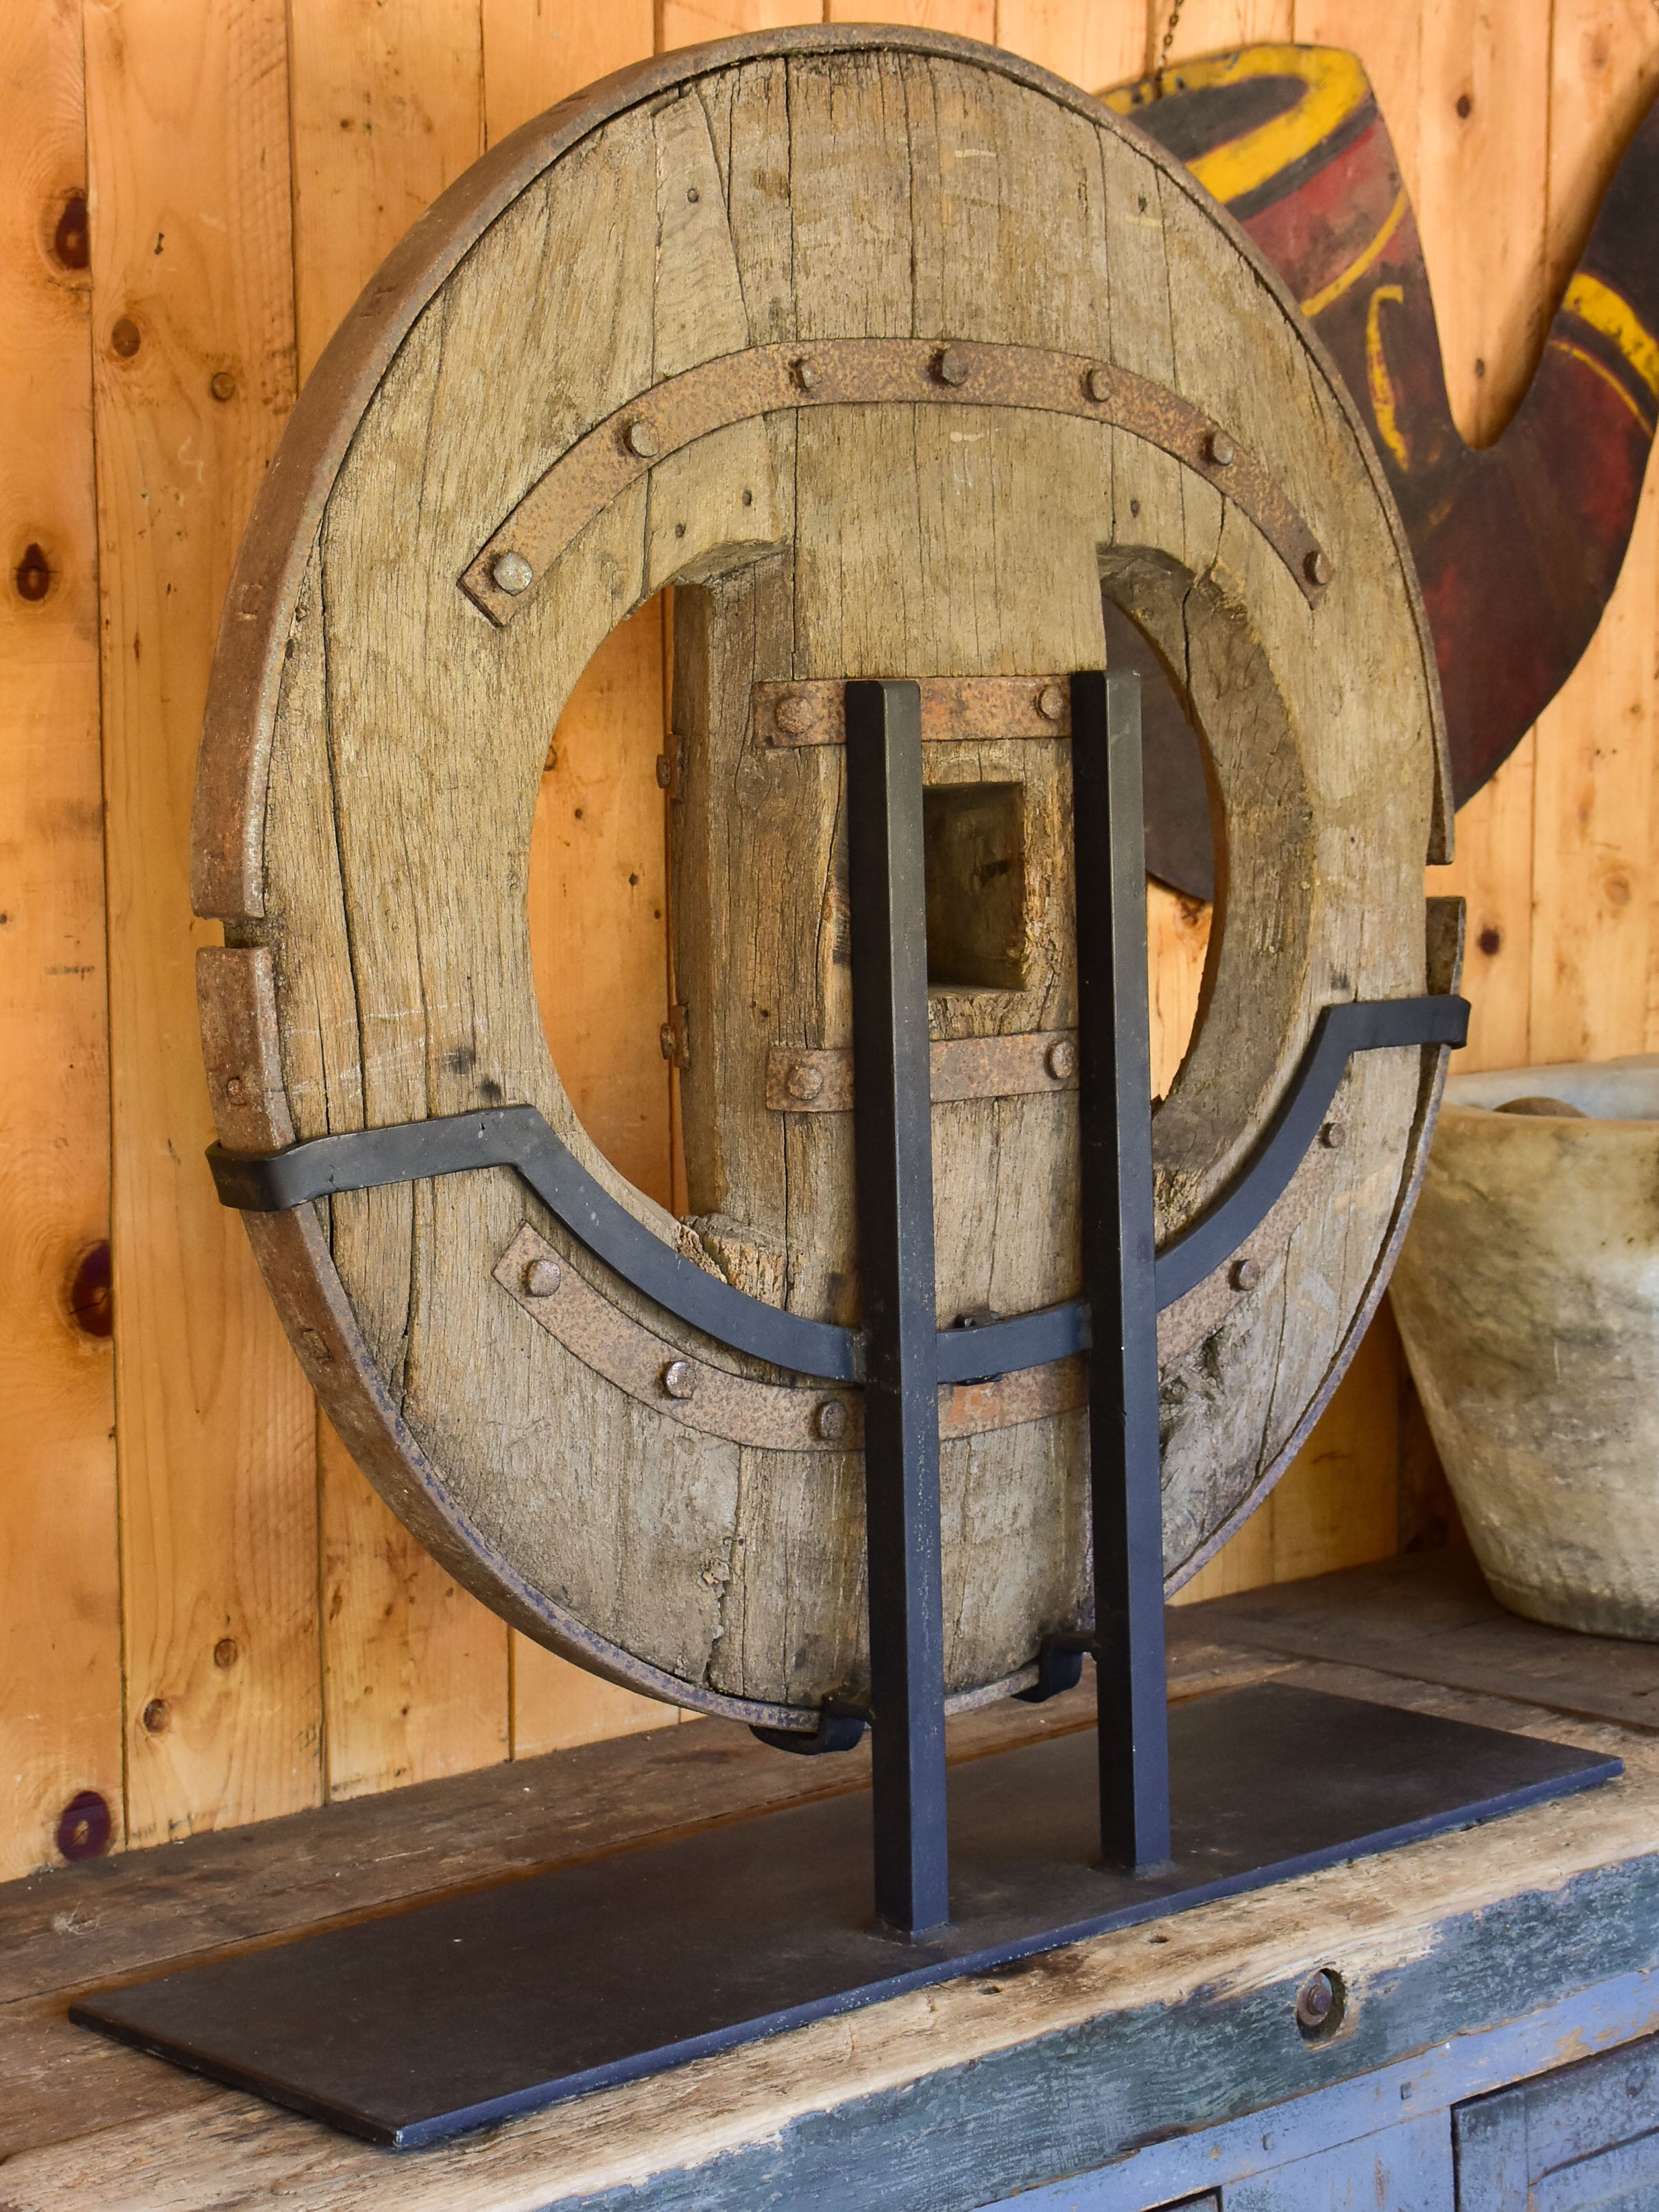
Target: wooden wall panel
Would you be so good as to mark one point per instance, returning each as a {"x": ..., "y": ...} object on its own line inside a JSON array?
[
  {"x": 687, "y": 23},
  {"x": 387, "y": 109},
  {"x": 215, "y": 254},
  {"x": 60, "y": 1662},
  {"x": 536, "y": 51},
  {"x": 1091, "y": 46},
  {"x": 192, "y": 262},
  {"x": 1594, "y": 948}
]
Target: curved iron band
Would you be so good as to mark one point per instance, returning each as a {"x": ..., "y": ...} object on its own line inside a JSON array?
[
  {"x": 1357, "y": 1025},
  {"x": 517, "y": 1137},
  {"x": 865, "y": 372}
]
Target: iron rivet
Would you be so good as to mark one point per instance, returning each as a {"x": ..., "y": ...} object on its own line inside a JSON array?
[
  {"x": 1245, "y": 1275},
  {"x": 511, "y": 571},
  {"x": 1334, "y": 1136},
  {"x": 803, "y": 1081},
  {"x": 156, "y": 1715},
  {"x": 951, "y": 367},
  {"x": 693, "y": 194},
  {"x": 1051, "y": 704},
  {"x": 665, "y": 1039},
  {"x": 222, "y": 384},
  {"x": 679, "y": 1379},
  {"x": 795, "y": 713},
  {"x": 1221, "y": 449},
  {"x": 830, "y": 1420},
  {"x": 225, "y": 1652},
  {"x": 806, "y": 376},
  {"x": 1098, "y": 384},
  {"x": 233, "y": 1087},
  {"x": 1061, "y": 1059},
  {"x": 1319, "y": 2004},
  {"x": 665, "y": 771},
  {"x": 542, "y": 1277},
  {"x": 1318, "y": 567},
  {"x": 641, "y": 440}
]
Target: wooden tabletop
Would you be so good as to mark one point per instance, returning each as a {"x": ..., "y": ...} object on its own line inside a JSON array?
[{"x": 949, "y": 2096}]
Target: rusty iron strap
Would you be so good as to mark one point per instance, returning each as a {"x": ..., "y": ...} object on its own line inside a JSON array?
[
  {"x": 769, "y": 1416},
  {"x": 861, "y": 373},
  {"x": 809, "y": 1079},
  {"x": 954, "y": 709}
]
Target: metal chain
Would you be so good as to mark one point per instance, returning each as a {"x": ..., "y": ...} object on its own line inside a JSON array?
[{"x": 1169, "y": 32}]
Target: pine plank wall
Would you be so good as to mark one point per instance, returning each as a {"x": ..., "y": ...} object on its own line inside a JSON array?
[{"x": 206, "y": 1616}]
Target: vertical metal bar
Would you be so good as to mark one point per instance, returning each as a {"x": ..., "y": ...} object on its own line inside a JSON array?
[
  {"x": 1115, "y": 1094},
  {"x": 893, "y": 1133}
]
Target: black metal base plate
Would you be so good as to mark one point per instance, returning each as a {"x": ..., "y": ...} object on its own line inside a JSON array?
[{"x": 448, "y": 2016}]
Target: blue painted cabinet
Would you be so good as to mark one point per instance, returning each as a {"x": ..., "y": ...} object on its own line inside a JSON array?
[{"x": 1583, "y": 2139}]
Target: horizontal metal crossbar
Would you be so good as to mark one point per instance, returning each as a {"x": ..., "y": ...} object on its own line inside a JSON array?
[{"x": 518, "y": 1137}]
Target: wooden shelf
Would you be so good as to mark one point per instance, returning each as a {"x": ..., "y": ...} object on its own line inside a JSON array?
[{"x": 1076, "y": 2058}]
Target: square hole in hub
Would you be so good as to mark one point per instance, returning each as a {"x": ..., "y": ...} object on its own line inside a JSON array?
[{"x": 975, "y": 840}]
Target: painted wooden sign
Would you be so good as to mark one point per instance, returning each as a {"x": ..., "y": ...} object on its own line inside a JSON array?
[
  {"x": 890, "y": 353},
  {"x": 1518, "y": 546}
]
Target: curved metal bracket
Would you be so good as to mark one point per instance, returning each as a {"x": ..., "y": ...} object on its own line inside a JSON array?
[{"x": 518, "y": 1137}]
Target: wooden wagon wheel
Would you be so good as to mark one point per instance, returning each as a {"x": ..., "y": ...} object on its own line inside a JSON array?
[{"x": 889, "y": 350}]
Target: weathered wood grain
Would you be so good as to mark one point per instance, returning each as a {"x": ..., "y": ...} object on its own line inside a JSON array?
[
  {"x": 842, "y": 542},
  {"x": 60, "y": 1679},
  {"x": 191, "y": 266},
  {"x": 985, "y": 2087},
  {"x": 386, "y": 107},
  {"x": 598, "y": 940}
]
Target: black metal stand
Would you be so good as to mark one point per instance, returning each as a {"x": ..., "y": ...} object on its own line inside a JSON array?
[
  {"x": 895, "y": 1140},
  {"x": 451, "y": 2016}
]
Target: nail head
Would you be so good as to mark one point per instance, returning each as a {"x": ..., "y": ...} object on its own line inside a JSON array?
[
  {"x": 511, "y": 571},
  {"x": 830, "y": 1420},
  {"x": 225, "y": 1652},
  {"x": 806, "y": 376},
  {"x": 950, "y": 365},
  {"x": 1320, "y": 2003},
  {"x": 543, "y": 1277},
  {"x": 804, "y": 1082},
  {"x": 1221, "y": 449},
  {"x": 156, "y": 1715},
  {"x": 1051, "y": 704},
  {"x": 1061, "y": 1059},
  {"x": 1318, "y": 567},
  {"x": 1245, "y": 1275},
  {"x": 679, "y": 1379},
  {"x": 1334, "y": 1136},
  {"x": 222, "y": 384},
  {"x": 1098, "y": 384},
  {"x": 795, "y": 713},
  {"x": 641, "y": 440}
]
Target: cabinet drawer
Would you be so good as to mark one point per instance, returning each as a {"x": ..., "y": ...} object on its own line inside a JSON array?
[{"x": 1583, "y": 2139}]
